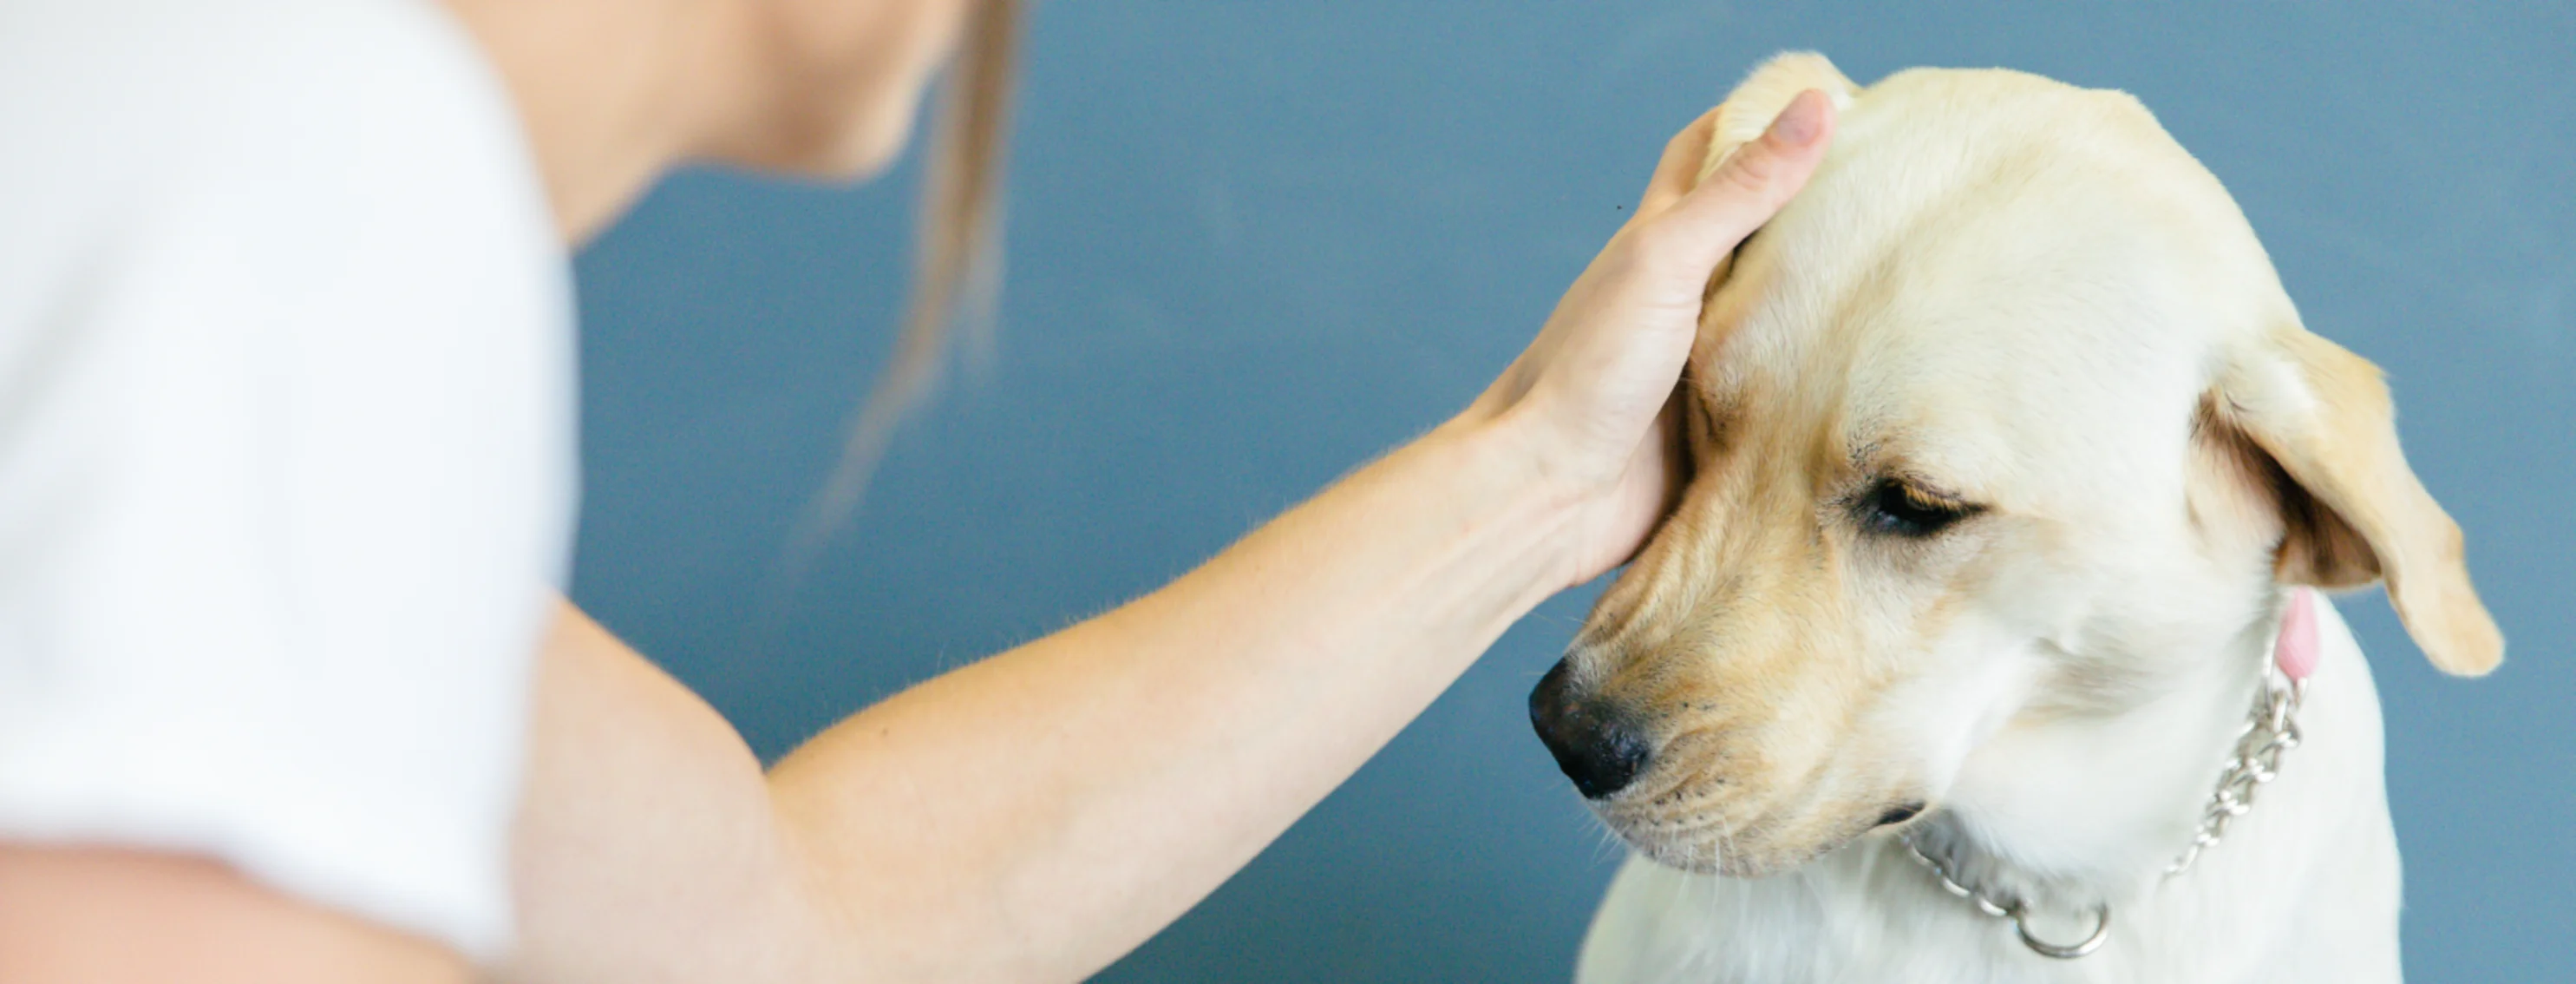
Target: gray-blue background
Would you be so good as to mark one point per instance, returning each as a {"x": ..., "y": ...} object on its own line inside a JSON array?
[{"x": 1254, "y": 243}]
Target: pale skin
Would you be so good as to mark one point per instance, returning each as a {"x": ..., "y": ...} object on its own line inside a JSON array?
[{"x": 1036, "y": 814}]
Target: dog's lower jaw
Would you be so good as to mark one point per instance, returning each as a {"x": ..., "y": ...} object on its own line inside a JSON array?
[
  {"x": 2305, "y": 888},
  {"x": 1720, "y": 862}
]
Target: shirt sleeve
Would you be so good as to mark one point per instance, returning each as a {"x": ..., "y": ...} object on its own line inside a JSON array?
[{"x": 286, "y": 462}]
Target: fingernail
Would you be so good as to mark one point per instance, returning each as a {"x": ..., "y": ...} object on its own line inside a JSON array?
[{"x": 1804, "y": 118}]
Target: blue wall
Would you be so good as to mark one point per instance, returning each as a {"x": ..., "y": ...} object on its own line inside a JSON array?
[{"x": 1253, "y": 244}]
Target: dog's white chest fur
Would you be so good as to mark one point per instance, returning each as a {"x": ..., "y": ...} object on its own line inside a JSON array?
[{"x": 2305, "y": 888}]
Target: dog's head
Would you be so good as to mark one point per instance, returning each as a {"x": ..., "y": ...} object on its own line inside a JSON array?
[{"x": 2005, "y": 420}]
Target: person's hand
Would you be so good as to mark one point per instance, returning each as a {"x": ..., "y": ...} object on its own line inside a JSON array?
[{"x": 1592, "y": 398}]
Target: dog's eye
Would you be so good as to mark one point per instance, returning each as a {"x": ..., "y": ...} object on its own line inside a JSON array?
[{"x": 1895, "y": 508}]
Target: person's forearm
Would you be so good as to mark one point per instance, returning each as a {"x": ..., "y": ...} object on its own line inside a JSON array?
[
  {"x": 1037, "y": 814},
  {"x": 72, "y": 914}
]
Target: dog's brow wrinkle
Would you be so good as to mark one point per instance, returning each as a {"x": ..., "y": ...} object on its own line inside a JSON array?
[{"x": 1862, "y": 452}]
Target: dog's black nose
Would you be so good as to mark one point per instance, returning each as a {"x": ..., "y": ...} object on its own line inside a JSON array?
[{"x": 1598, "y": 749}]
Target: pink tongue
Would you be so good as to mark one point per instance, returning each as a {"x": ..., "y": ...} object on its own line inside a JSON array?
[{"x": 2296, "y": 652}]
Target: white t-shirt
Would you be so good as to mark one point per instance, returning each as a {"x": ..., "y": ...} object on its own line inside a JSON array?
[{"x": 286, "y": 459}]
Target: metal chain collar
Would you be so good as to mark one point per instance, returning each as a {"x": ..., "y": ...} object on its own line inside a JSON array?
[
  {"x": 2271, "y": 728},
  {"x": 2015, "y": 911}
]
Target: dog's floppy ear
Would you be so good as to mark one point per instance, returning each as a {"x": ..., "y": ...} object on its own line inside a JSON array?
[{"x": 2353, "y": 509}]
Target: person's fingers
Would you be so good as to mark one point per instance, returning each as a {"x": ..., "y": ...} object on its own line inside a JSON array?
[
  {"x": 1696, "y": 228},
  {"x": 1759, "y": 178},
  {"x": 1680, "y": 163}
]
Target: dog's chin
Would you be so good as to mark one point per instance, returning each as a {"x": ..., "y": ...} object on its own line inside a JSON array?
[{"x": 1741, "y": 854}]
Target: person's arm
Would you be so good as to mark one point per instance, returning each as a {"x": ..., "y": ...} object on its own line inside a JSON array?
[
  {"x": 83, "y": 915},
  {"x": 1037, "y": 814}
]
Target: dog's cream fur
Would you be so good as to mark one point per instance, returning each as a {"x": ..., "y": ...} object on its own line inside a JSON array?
[{"x": 2024, "y": 303}]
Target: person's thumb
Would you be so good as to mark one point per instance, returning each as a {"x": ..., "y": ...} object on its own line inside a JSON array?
[{"x": 1746, "y": 191}]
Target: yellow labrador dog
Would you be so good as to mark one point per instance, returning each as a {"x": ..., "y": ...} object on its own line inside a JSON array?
[{"x": 1972, "y": 641}]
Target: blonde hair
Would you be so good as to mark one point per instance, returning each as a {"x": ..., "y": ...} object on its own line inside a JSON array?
[{"x": 957, "y": 261}]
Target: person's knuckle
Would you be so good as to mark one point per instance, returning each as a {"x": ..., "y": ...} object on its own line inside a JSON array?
[
  {"x": 1656, "y": 241},
  {"x": 1682, "y": 142},
  {"x": 1753, "y": 170}
]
